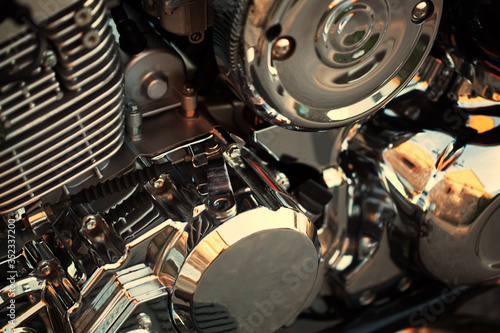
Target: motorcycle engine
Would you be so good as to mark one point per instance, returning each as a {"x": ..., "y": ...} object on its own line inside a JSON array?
[{"x": 131, "y": 202}]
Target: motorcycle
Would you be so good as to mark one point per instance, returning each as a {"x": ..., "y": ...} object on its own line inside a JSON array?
[{"x": 247, "y": 166}]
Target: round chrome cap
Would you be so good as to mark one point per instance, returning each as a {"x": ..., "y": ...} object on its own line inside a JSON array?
[
  {"x": 320, "y": 64},
  {"x": 253, "y": 273}
]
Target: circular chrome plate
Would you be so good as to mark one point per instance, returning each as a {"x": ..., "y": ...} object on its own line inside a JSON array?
[
  {"x": 320, "y": 64},
  {"x": 251, "y": 274}
]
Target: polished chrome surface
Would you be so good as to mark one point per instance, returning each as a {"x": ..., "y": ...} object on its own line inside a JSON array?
[
  {"x": 354, "y": 236},
  {"x": 271, "y": 253},
  {"x": 128, "y": 291},
  {"x": 438, "y": 77},
  {"x": 218, "y": 222},
  {"x": 65, "y": 119},
  {"x": 257, "y": 238},
  {"x": 349, "y": 59},
  {"x": 444, "y": 183}
]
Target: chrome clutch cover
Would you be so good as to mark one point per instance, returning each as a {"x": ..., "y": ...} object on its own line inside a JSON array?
[
  {"x": 314, "y": 65},
  {"x": 252, "y": 273}
]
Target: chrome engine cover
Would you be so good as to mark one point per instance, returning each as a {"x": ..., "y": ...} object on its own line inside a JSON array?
[
  {"x": 215, "y": 245},
  {"x": 436, "y": 172},
  {"x": 208, "y": 284},
  {"x": 315, "y": 65}
]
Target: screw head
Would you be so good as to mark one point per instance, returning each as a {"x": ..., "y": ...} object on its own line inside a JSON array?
[
  {"x": 283, "y": 48},
  {"x": 196, "y": 37},
  {"x": 91, "y": 39},
  {"x": 421, "y": 11},
  {"x": 83, "y": 17}
]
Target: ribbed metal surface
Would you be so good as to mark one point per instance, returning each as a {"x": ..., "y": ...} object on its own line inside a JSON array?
[{"x": 66, "y": 120}]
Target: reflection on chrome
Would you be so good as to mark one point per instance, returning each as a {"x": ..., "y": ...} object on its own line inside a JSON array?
[
  {"x": 442, "y": 175},
  {"x": 351, "y": 58},
  {"x": 268, "y": 246}
]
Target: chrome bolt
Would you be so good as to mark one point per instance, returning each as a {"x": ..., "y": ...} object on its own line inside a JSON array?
[
  {"x": 144, "y": 321},
  {"x": 222, "y": 207},
  {"x": 421, "y": 11},
  {"x": 90, "y": 222},
  {"x": 159, "y": 183},
  {"x": 234, "y": 152},
  {"x": 367, "y": 297},
  {"x": 44, "y": 268},
  {"x": 283, "y": 48},
  {"x": 283, "y": 181}
]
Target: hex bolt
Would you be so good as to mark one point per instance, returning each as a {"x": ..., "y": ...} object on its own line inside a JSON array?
[
  {"x": 421, "y": 11},
  {"x": 159, "y": 183},
  {"x": 222, "y": 204},
  {"x": 90, "y": 222},
  {"x": 283, "y": 48},
  {"x": 283, "y": 181},
  {"x": 234, "y": 152},
  {"x": 44, "y": 268}
]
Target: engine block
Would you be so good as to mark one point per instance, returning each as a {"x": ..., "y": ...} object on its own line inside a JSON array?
[{"x": 64, "y": 117}]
